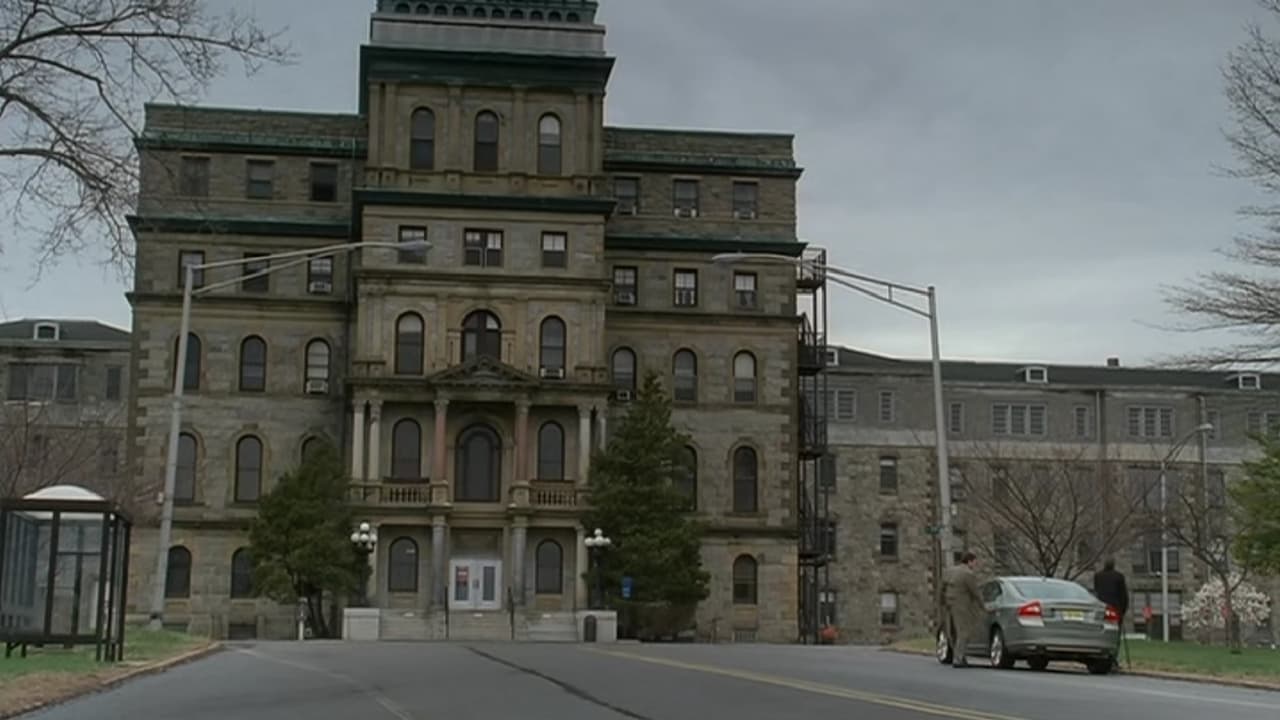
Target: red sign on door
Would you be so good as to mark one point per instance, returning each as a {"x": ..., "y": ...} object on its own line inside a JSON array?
[{"x": 1146, "y": 612}]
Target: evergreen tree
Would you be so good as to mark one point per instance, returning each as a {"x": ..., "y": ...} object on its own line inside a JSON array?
[
  {"x": 301, "y": 540},
  {"x": 636, "y": 501},
  {"x": 1257, "y": 501}
]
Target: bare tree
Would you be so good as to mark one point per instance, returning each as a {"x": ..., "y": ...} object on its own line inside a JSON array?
[
  {"x": 1055, "y": 513},
  {"x": 74, "y": 75},
  {"x": 44, "y": 444},
  {"x": 1248, "y": 300}
]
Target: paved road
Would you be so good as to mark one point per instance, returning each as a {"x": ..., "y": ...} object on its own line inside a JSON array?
[{"x": 393, "y": 681}]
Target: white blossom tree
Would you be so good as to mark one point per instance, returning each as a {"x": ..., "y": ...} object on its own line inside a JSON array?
[{"x": 1210, "y": 608}]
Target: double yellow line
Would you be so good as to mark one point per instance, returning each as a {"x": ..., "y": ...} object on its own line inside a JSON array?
[{"x": 819, "y": 688}]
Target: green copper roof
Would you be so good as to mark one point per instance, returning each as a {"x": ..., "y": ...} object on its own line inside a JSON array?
[{"x": 533, "y": 10}]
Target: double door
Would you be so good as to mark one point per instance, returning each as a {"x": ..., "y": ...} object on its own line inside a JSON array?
[{"x": 475, "y": 585}]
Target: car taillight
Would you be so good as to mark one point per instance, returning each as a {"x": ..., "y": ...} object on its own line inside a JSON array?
[
  {"x": 1031, "y": 609},
  {"x": 1112, "y": 615}
]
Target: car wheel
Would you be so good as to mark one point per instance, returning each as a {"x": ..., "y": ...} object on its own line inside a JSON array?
[
  {"x": 1100, "y": 667},
  {"x": 943, "y": 648},
  {"x": 1038, "y": 664},
  {"x": 1000, "y": 657}
]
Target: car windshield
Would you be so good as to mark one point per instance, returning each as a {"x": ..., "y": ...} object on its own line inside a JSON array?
[{"x": 1051, "y": 590}]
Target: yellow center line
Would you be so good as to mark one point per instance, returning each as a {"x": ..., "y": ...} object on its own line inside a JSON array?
[{"x": 817, "y": 688}]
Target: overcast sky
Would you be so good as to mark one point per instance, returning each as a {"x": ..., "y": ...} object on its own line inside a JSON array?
[{"x": 1048, "y": 164}]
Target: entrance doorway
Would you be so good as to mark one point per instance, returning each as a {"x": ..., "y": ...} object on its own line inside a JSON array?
[{"x": 476, "y": 585}]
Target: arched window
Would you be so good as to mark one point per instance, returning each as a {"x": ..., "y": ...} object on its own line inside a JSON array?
[
  {"x": 486, "y": 151},
  {"x": 406, "y": 451},
  {"x": 745, "y": 480},
  {"x": 517, "y": 14},
  {"x": 744, "y": 378},
  {"x": 184, "y": 486},
  {"x": 552, "y": 346},
  {"x": 253, "y": 364},
  {"x": 459, "y": 11},
  {"x": 317, "y": 371},
  {"x": 402, "y": 566},
  {"x": 478, "y": 12},
  {"x": 310, "y": 447},
  {"x": 535, "y": 15},
  {"x": 402, "y": 7},
  {"x": 686, "y": 476},
  {"x": 423, "y": 9},
  {"x": 248, "y": 469},
  {"x": 554, "y": 16},
  {"x": 684, "y": 367},
  {"x": 422, "y": 140},
  {"x": 572, "y": 17},
  {"x": 442, "y": 10},
  {"x": 177, "y": 579},
  {"x": 409, "y": 338},
  {"x": 479, "y": 465},
  {"x": 745, "y": 580},
  {"x": 191, "y": 374},
  {"x": 549, "y": 568},
  {"x": 481, "y": 336},
  {"x": 498, "y": 14},
  {"x": 549, "y": 146},
  {"x": 551, "y": 452},
  {"x": 624, "y": 369},
  {"x": 241, "y": 574}
]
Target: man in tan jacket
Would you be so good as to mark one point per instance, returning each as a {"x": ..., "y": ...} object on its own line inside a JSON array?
[{"x": 965, "y": 609}]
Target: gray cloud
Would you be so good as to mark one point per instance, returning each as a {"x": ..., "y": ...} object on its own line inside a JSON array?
[{"x": 1047, "y": 165}]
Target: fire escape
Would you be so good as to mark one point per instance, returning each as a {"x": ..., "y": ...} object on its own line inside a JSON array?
[{"x": 813, "y": 486}]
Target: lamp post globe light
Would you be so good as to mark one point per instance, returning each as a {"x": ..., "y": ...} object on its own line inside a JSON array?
[
  {"x": 596, "y": 544},
  {"x": 294, "y": 258},
  {"x": 365, "y": 540},
  {"x": 1197, "y": 431}
]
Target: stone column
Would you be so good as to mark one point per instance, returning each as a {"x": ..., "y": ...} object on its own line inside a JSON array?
[
  {"x": 373, "y": 571},
  {"x": 602, "y": 437},
  {"x": 579, "y": 570},
  {"x": 519, "y": 147},
  {"x": 522, "y": 473},
  {"x": 439, "y": 451},
  {"x": 519, "y": 538},
  {"x": 357, "y": 440},
  {"x": 375, "y": 440},
  {"x": 439, "y": 572},
  {"x": 584, "y": 444}
]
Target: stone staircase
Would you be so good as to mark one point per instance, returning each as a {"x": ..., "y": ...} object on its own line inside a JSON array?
[
  {"x": 552, "y": 627},
  {"x": 411, "y": 625},
  {"x": 486, "y": 626}
]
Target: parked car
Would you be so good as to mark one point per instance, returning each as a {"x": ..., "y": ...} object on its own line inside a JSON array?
[{"x": 1040, "y": 620}]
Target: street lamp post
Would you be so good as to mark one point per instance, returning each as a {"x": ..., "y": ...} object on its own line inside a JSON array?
[
  {"x": 596, "y": 545},
  {"x": 884, "y": 294},
  {"x": 1164, "y": 522},
  {"x": 296, "y": 257},
  {"x": 365, "y": 540}
]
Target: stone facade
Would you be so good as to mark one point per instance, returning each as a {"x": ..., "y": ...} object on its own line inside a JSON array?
[
  {"x": 468, "y": 382},
  {"x": 880, "y": 415},
  {"x": 64, "y": 408}
]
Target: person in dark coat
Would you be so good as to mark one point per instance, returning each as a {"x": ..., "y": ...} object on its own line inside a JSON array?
[
  {"x": 964, "y": 605},
  {"x": 1110, "y": 587}
]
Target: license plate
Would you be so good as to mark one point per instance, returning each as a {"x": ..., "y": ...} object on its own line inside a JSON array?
[{"x": 1073, "y": 615}]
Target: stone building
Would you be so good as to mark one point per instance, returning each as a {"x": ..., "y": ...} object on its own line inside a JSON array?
[
  {"x": 1003, "y": 419},
  {"x": 467, "y": 382},
  {"x": 62, "y": 420}
]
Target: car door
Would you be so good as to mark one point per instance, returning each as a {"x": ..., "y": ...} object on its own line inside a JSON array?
[{"x": 992, "y": 596}]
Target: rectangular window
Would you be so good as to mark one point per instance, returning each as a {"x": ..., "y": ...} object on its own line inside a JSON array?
[
  {"x": 888, "y": 476},
  {"x": 412, "y": 255},
  {"x": 114, "y": 385},
  {"x": 193, "y": 180},
  {"x": 1083, "y": 421},
  {"x": 888, "y": 406},
  {"x": 684, "y": 198},
  {"x": 261, "y": 179},
  {"x": 1217, "y": 488},
  {"x": 888, "y": 540},
  {"x": 686, "y": 288},
  {"x": 261, "y": 283},
  {"x": 1253, "y": 423},
  {"x": 555, "y": 250},
  {"x": 829, "y": 540},
  {"x": 185, "y": 259},
  {"x": 627, "y": 193},
  {"x": 1150, "y": 422},
  {"x": 320, "y": 276},
  {"x": 324, "y": 182},
  {"x": 1018, "y": 419},
  {"x": 955, "y": 418},
  {"x": 746, "y": 200},
  {"x": 482, "y": 248},
  {"x": 1214, "y": 418},
  {"x": 42, "y": 382},
  {"x": 744, "y": 290},
  {"x": 625, "y": 285},
  {"x": 827, "y": 604},
  {"x": 888, "y": 609},
  {"x": 828, "y": 468},
  {"x": 841, "y": 405}
]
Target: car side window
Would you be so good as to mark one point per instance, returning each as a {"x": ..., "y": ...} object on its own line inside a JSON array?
[{"x": 991, "y": 592}]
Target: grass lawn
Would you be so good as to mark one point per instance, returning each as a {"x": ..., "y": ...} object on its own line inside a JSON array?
[
  {"x": 1180, "y": 657},
  {"x": 53, "y": 672}
]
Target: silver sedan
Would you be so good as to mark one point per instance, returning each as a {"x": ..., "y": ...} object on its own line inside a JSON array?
[{"x": 1040, "y": 620}]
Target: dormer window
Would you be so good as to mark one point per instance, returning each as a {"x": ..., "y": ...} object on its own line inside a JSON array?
[
  {"x": 1248, "y": 381},
  {"x": 833, "y": 357},
  {"x": 1035, "y": 374},
  {"x": 47, "y": 331}
]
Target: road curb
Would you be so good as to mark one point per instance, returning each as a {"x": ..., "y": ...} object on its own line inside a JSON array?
[
  {"x": 1183, "y": 677},
  {"x": 151, "y": 669}
]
